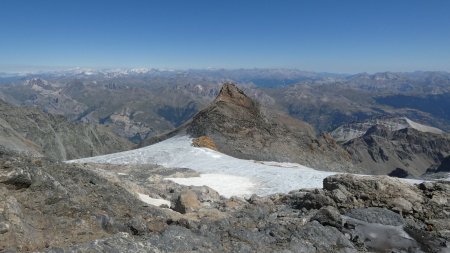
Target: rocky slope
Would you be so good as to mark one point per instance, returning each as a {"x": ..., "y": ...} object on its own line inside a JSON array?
[
  {"x": 381, "y": 150},
  {"x": 34, "y": 132},
  {"x": 240, "y": 127},
  {"x": 54, "y": 207},
  {"x": 394, "y": 145}
]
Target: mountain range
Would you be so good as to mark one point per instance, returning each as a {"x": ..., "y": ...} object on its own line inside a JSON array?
[
  {"x": 147, "y": 102},
  {"x": 143, "y": 104}
]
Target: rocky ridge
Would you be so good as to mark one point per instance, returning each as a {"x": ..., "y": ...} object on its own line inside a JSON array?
[
  {"x": 381, "y": 150},
  {"x": 354, "y": 130}
]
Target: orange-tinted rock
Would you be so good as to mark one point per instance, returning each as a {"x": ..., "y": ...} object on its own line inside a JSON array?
[{"x": 204, "y": 142}]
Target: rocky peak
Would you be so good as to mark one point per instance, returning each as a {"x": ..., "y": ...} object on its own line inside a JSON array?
[
  {"x": 239, "y": 127},
  {"x": 230, "y": 93}
]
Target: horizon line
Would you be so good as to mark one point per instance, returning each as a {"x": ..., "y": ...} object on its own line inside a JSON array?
[{"x": 40, "y": 69}]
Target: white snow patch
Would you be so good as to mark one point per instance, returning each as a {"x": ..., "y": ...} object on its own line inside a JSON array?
[
  {"x": 122, "y": 174},
  {"x": 226, "y": 185},
  {"x": 423, "y": 128},
  {"x": 152, "y": 201},
  {"x": 261, "y": 178},
  {"x": 411, "y": 180}
]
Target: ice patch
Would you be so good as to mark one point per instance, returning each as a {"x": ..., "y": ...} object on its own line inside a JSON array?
[
  {"x": 225, "y": 185},
  {"x": 152, "y": 201}
]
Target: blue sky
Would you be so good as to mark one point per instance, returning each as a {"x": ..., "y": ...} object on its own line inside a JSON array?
[{"x": 334, "y": 36}]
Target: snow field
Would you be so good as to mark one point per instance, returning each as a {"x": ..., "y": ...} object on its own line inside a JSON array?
[{"x": 225, "y": 174}]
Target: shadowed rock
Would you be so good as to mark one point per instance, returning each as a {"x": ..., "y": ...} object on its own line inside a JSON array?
[
  {"x": 445, "y": 165},
  {"x": 399, "y": 172}
]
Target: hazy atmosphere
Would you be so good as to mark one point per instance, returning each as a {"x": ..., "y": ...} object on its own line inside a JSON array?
[{"x": 323, "y": 36}]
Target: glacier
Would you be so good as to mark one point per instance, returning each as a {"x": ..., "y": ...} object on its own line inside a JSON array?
[{"x": 227, "y": 175}]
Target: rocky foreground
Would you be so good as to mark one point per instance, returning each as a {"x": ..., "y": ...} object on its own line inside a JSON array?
[{"x": 57, "y": 207}]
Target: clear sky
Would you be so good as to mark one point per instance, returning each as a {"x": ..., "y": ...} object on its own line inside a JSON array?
[{"x": 318, "y": 35}]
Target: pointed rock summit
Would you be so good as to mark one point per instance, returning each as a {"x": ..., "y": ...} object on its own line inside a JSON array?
[
  {"x": 240, "y": 127},
  {"x": 231, "y": 94}
]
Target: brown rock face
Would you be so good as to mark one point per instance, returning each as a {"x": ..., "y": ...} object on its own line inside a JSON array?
[
  {"x": 230, "y": 93},
  {"x": 204, "y": 142}
]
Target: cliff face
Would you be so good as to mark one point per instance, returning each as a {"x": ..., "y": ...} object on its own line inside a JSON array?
[
  {"x": 31, "y": 131},
  {"x": 241, "y": 128}
]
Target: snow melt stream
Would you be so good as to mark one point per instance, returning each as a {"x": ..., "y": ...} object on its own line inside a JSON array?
[{"x": 225, "y": 174}]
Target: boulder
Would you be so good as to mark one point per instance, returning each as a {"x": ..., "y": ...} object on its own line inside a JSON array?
[
  {"x": 187, "y": 201},
  {"x": 328, "y": 216},
  {"x": 205, "y": 194},
  {"x": 311, "y": 200},
  {"x": 4, "y": 227}
]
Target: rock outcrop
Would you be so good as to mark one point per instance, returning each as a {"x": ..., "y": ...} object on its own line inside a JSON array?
[{"x": 204, "y": 142}]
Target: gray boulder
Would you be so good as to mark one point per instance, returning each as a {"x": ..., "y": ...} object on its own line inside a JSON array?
[{"x": 328, "y": 216}]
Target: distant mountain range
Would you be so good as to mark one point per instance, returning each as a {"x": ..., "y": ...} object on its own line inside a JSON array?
[{"x": 140, "y": 103}]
